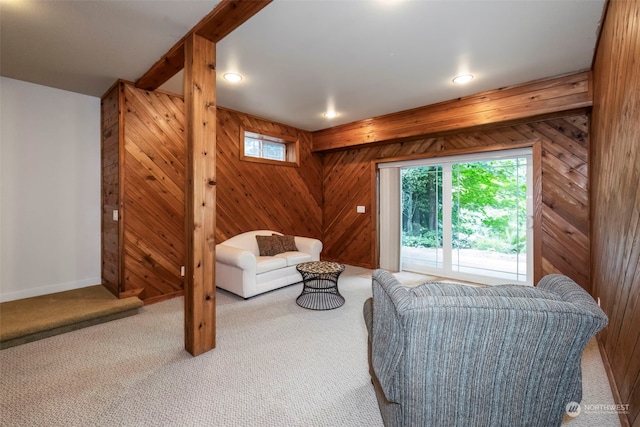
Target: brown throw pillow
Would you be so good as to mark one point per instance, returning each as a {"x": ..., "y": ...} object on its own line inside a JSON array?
[
  {"x": 269, "y": 245},
  {"x": 288, "y": 243}
]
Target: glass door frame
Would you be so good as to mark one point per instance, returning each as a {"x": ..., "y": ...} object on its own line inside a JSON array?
[{"x": 534, "y": 149}]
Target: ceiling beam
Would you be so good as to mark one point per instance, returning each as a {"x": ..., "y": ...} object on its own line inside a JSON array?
[
  {"x": 222, "y": 20},
  {"x": 501, "y": 106}
]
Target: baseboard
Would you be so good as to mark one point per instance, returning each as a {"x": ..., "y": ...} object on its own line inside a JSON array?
[
  {"x": 164, "y": 297},
  {"x": 624, "y": 420},
  {"x": 49, "y": 289}
]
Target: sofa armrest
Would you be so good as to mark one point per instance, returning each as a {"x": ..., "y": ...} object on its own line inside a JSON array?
[
  {"x": 309, "y": 246},
  {"x": 236, "y": 257}
]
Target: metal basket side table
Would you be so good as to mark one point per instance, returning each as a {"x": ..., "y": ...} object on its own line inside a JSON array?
[{"x": 320, "y": 285}]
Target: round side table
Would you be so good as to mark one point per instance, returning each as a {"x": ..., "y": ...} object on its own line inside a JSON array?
[{"x": 320, "y": 285}]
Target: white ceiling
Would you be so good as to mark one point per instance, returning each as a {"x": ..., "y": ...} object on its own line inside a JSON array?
[{"x": 301, "y": 57}]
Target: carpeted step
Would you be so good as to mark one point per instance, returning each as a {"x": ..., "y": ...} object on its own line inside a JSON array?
[{"x": 35, "y": 318}]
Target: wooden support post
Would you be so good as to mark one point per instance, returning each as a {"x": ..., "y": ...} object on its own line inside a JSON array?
[{"x": 200, "y": 194}]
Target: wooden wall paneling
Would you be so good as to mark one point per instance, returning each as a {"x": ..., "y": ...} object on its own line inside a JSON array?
[
  {"x": 626, "y": 299},
  {"x": 569, "y": 238},
  {"x": 559, "y": 196},
  {"x": 580, "y": 123},
  {"x": 563, "y": 261},
  {"x": 153, "y": 208},
  {"x": 265, "y": 196},
  {"x": 347, "y": 183},
  {"x": 200, "y": 194},
  {"x": 347, "y": 234},
  {"x": 565, "y": 193},
  {"x": 615, "y": 202},
  {"x": 162, "y": 247},
  {"x": 148, "y": 171},
  {"x": 162, "y": 220},
  {"x": 110, "y": 188},
  {"x": 627, "y": 341},
  {"x": 143, "y": 177},
  {"x": 136, "y": 266},
  {"x": 506, "y": 105}
]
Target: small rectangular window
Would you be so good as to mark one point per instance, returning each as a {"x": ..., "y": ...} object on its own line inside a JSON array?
[{"x": 272, "y": 149}]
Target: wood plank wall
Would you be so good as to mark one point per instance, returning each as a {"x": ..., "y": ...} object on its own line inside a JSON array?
[
  {"x": 348, "y": 180},
  {"x": 110, "y": 188},
  {"x": 253, "y": 196},
  {"x": 153, "y": 194},
  {"x": 616, "y": 198},
  {"x": 249, "y": 195}
]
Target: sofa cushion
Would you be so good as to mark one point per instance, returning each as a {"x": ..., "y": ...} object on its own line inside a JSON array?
[
  {"x": 294, "y": 258},
  {"x": 269, "y": 245},
  {"x": 269, "y": 263}
]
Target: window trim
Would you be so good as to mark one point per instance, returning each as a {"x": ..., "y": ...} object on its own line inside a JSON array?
[{"x": 292, "y": 149}]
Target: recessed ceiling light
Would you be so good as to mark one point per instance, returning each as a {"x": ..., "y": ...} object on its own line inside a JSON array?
[
  {"x": 232, "y": 77},
  {"x": 330, "y": 114},
  {"x": 464, "y": 78}
]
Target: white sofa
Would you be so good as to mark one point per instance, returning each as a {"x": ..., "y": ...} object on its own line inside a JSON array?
[{"x": 240, "y": 268}]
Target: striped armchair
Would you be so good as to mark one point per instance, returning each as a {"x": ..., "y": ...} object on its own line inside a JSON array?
[{"x": 443, "y": 354}]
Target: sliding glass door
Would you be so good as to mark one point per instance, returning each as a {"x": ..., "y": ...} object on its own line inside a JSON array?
[
  {"x": 467, "y": 217},
  {"x": 422, "y": 218}
]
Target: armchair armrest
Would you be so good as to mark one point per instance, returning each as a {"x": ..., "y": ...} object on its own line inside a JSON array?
[
  {"x": 387, "y": 334},
  {"x": 310, "y": 246},
  {"x": 569, "y": 291},
  {"x": 236, "y": 257}
]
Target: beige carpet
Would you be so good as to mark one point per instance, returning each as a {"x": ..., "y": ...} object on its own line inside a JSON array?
[
  {"x": 276, "y": 364},
  {"x": 34, "y": 318},
  {"x": 410, "y": 279}
]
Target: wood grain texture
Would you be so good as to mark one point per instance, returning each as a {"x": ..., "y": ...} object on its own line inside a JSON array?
[
  {"x": 224, "y": 18},
  {"x": 249, "y": 195},
  {"x": 142, "y": 178},
  {"x": 253, "y": 196},
  {"x": 502, "y": 106},
  {"x": 110, "y": 188},
  {"x": 615, "y": 198},
  {"x": 152, "y": 217},
  {"x": 200, "y": 194},
  {"x": 563, "y": 240}
]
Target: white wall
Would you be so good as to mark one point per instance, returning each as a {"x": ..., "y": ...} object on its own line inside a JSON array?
[{"x": 49, "y": 190}]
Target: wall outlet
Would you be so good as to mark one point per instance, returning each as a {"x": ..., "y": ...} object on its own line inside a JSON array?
[
  {"x": 360, "y": 209},
  {"x": 598, "y": 301},
  {"x": 182, "y": 271},
  {"x": 115, "y": 214}
]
